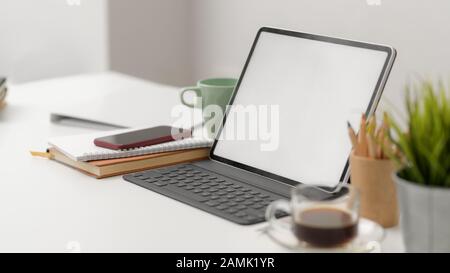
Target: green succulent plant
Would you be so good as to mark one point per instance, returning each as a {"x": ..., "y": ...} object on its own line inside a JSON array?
[{"x": 422, "y": 149}]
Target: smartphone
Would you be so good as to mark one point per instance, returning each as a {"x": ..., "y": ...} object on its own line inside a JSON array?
[{"x": 141, "y": 138}]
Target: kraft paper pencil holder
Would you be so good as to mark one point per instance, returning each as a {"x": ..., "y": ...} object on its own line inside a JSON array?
[{"x": 372, "y": 178}]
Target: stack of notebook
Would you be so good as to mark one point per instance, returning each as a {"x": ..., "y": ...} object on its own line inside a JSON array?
[
  {"x": 3, "y": 91},
  {"x": 80, "y": 153}
]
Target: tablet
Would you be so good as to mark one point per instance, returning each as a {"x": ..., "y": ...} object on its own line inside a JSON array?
[{"x": 310, "y": 86}]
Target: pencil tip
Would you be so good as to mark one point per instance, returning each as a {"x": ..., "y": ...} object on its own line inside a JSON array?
[{"x": 348, "y": 124}]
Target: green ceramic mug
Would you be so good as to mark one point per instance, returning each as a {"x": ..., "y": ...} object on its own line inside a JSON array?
[
  {"x": 215, "y": 91},
  {"x": 211, "y": 92}
]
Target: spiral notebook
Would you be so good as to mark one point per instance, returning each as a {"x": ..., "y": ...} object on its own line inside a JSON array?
[{"x": 82, "y": 148}]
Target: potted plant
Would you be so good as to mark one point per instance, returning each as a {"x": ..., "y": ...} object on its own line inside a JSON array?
[{"x": 422, "y": 153}]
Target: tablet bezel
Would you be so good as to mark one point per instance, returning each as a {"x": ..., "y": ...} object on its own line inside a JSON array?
[{"x": 376, "y": 95}]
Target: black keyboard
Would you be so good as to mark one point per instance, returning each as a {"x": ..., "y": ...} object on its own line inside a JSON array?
[{"x": 217, "y": 194}]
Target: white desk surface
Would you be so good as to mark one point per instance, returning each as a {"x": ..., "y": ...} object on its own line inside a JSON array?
[{"x": 47, "y": 207}]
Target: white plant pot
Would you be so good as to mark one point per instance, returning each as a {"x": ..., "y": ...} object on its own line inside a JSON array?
[{"x": 424, "y": 216}]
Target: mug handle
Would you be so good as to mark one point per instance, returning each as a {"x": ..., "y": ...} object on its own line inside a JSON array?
[
  {"x": 272, "y": 209},
  {"x": 194, "y": 89}
]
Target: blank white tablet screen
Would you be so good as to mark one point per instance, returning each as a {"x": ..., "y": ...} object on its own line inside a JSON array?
[{"x": 317, "y": 87}]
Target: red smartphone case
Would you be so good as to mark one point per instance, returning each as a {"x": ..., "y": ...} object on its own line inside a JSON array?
[{"x": 100, "y": 143}]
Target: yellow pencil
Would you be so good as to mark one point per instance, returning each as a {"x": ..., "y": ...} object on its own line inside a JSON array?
[
  {"x": 362, "y": 138},
  {"x": 380, "y": 141},
  {"x": 371, "y": 128},
  {"x": 372, "y": 147}
]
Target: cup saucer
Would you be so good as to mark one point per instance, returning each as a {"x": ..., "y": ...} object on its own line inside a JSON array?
[{"x": 370, "y": 234}]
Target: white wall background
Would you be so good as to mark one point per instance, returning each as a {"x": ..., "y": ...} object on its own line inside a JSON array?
[
  {"x": 49, "y": 38},
  {"x": 220, "y": 32},
  {"x": 418, "y": 29},
  {"x": 179, "y": 41},
  {"x": 152, "y": 39}
]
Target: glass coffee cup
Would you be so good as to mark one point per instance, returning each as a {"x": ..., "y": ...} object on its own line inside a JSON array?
[{"x": 317, "y": 222}]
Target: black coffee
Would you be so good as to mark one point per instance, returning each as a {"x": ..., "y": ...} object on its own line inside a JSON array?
[{"x": 325, "y": 227}]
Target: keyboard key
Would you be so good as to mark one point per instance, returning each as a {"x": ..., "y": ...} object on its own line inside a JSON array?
[
  {"x": 197, "y": 190},
  {"x": 241, "y": 214},
  {"x": 248, "y": 202},
  {"x": 214, "y": 197},
  {"x": 205, "y": 194},
  {"x": 253, "y": 192},
  {"x": 222, "y": 206},
  {"x": 187, "y": 194},
  {"x": 235, "y": 186},
  {"x": 189, "y": 188},
  {"x": 261, "y": 214},
  {"x": 196, "y": 184},
  {"x": 223, "y": 200},
  {"x": 245, "y": 189},
  {"x": 257, "y": 206},
  {"x": 221, "y": 193},
  {"x": 160, "y": 184},
  {"x": 181, "y": 185},
  {"x": 212, "y": 203},
  {"x": 250, "y": 218},
  {"x": 157, "y": 176},
  {"x": 231, "y": 210},
  {"x": 229, "y": 190}
]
